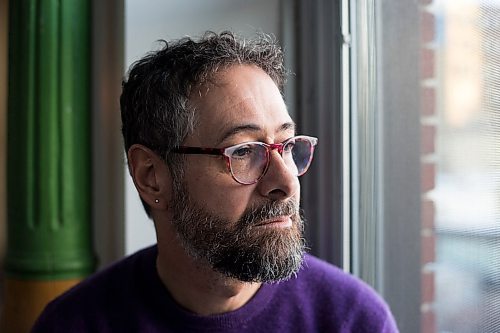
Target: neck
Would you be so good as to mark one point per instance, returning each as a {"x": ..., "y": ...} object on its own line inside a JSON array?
[{"x": 196, "y": 286}]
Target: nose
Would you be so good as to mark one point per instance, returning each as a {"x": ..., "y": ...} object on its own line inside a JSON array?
[{"x": 279, "y": 182}]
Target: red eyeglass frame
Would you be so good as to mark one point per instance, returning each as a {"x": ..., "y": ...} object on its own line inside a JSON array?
[{"x": 269, "y": 147}]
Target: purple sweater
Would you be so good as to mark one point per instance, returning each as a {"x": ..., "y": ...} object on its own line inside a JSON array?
[{"x": 129, "y": 297}]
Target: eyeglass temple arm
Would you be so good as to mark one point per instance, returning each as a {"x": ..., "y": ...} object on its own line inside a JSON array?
[{"x": 198, "y": 150}]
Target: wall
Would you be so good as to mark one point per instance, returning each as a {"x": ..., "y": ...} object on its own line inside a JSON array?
[
  {"x": 107, "y": 157},
  {"x": 428, "y": 135},
  {"x": 3, "y": 132},
  {"x": 3, "y": 117}
]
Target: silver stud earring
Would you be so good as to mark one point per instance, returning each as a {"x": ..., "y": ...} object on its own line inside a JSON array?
[{"x": 156, "y": 200}]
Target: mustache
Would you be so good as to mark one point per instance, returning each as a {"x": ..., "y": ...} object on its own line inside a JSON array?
[{"x": 269, "y": 210}]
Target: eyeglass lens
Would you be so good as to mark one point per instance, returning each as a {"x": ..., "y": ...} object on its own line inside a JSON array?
[{"x": 248, "y": 162}]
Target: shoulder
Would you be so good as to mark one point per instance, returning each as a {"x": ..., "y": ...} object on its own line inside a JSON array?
[
  {"x": 102, "y": 295},
  {"x": 325, "y": 277},
  {"x": 340, "y": 297}
]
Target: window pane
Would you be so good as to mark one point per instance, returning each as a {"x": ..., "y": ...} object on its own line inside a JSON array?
[{"x": 467, "y": 192}]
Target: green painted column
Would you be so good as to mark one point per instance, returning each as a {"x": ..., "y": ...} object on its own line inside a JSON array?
[{"x": 49, "y": 141}]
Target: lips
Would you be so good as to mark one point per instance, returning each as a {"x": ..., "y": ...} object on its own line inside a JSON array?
[
  {"x": 280, "y": 221},
  {"x": 274, "y": 213}
]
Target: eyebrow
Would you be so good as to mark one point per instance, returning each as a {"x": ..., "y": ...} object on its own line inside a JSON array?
[{"x": 253, "y": 128}]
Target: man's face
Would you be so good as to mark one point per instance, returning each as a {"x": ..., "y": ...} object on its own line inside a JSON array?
[{"x": 249, "y": 232}]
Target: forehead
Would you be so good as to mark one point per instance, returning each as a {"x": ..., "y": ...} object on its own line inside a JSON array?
[{"x": 242, "y": 99}]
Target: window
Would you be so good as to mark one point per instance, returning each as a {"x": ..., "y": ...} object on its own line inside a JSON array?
[
  {"x": 467, "y": 159},
  {"x": 386, "y": 155},
  {"x": 425, "y": 160}
]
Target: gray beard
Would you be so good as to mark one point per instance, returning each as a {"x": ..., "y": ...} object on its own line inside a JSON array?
[{"x": 241, "y": 250}]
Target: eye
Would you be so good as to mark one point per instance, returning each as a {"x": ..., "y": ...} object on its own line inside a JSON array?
[
  {"x": 289, "y": 146},
  {"x": 242, "y": 152}
]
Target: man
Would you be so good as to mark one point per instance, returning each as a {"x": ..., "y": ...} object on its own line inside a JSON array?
[{"x": 215, "y": 158}]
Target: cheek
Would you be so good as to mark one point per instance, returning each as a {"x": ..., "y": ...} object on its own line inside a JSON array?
[
  {"x": 215, "y": 190},
  {"x": 297, "y": 196},
  {"x": 224, "y": 201}
]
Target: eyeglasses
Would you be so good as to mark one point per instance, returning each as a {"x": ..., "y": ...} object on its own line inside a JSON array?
[{"x": 248, "y": 162}]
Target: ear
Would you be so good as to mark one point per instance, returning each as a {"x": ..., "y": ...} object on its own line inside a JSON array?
[{"x": 151, "y": 176}]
